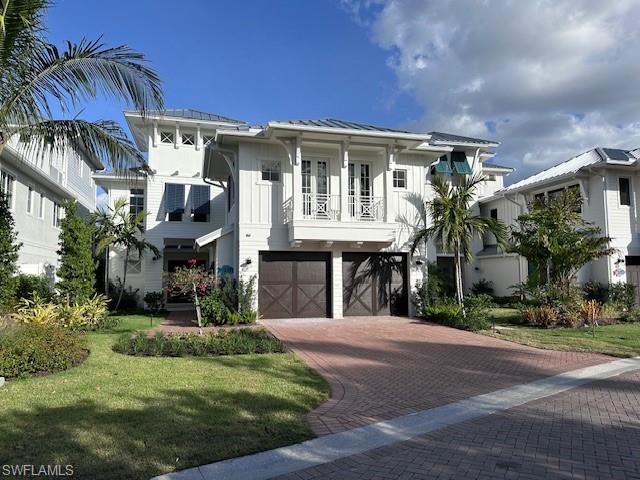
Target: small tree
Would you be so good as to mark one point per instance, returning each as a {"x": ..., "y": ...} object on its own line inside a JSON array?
[
  {"x": 9, "y": 247},
  {"x": 118, "y": 228},
  {"x": 193, "y": 281},
  {"x": 155, "y": 302},
  {"x": 454, "y": 224},
  {"x": 557, "y": 241},
  {"x": 77, "y": 270}
]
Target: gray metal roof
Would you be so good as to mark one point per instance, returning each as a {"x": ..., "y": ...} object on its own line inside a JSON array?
[
  {"x": 495, "y": 165},
  {"x": 451, "y": 138},
  {"x": 191, "y": 114},
  {"x": 618, "y": 154},
  {"x": 343, "y": 124}
]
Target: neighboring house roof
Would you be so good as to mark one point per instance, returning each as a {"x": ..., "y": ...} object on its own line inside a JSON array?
[
  {"x": 449, "y": 138},
  {"x": 342, "y": 124},
  {"x": 610, "y": 156},
  {"x": 190, "y": 114}
]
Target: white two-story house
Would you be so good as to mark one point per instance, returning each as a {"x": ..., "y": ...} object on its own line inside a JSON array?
[
  {"x": 608, "y": 180},
  {"x": 321, "y": 211},
  {"x": 36, "y": 187}
]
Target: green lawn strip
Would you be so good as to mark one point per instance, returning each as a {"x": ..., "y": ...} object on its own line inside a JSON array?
[
  {"x": 503, "y": 316},
  {"x": 622, "y": 340},
  {"x": 119, "y": 416}
]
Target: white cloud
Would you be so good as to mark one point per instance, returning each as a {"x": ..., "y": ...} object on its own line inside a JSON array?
[{"x": 547, "y": 78}]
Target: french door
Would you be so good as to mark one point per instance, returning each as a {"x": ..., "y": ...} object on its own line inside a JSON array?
[
  {"x": 360, "y": 193},
  {"x": 316, "y": 201}
]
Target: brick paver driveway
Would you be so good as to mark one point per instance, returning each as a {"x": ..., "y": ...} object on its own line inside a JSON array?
[
  {"x": 383, "y": 367},
  {"x": 590, "y": 432}
]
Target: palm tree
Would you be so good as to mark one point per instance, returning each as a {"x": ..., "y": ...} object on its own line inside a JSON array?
[
  {"x": 453, "y": 224},
  {"x": 36, "y": 78},
  {"x": 116, "y": 227}
]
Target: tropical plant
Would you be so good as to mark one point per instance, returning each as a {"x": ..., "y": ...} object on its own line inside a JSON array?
[
  {"x": 37, "y": 78},
  {"x": 78, "y": 314},
  {"x": 455, "y": 226},
  {"x": 9, "y": 247},
  {"x": 192, "y": 280},
  {"x": 27, "y": 286},
  {"x": 557, "y": 241},
  {"x": 77, "y": 270},
  {"x": 590, "y": 311},
  {"x": 117, "y": 228},
  {"x": 155, "y": 302},
  {"x": 482, "y": 287}
]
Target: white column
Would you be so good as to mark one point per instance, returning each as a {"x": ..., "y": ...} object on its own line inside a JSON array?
[
  {"x": 336, "y": 284},
  {"x": 296, "y": 178},
  {"x": 344, "y": 183}
]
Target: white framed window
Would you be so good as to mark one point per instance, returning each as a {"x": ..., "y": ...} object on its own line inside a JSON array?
[
  {"x": 399, "y": 178},
  {"x": 134, "y": 265},
  {"x": 136, "y": 201},
  {"x": 40, "y": 205},
  {"x": 207, "y": 139},
  {"x": 188, "y": 139},
  {"x": 166, "y": 137},
  {"x": 624, "y": 191},
  {"x": 270, "y": 171},
  {"x": 7, "y": 186},
  {"x": 30, "y": 199},
  {"x": 57, "y": 214}
]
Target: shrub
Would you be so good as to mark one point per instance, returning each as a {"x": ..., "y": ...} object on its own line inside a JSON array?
[
  {"x": 229, "y": 302},
  {"x": 82, "y": 314},
  {"x": 77, "y": 270},
  {"x": 445, "y": 313},
  {"x": 482, "y": 287},
  {"x": 130, "y": 298},
  {"x": 477, "y": 309},
  {"x": 622, "y": 295},
  {"x": 590, "y": 311},
  {"x": 155, "y": 301},
  {"x": 37, "y": 349},
  {"x": 596, "y": 291},
  {"x": 27, "y": 286},
  {"x": 9, "y": 247},
  {"x": 225, "y": 342},
  {"x": 632, "y": 316},
  {"x": 542, "y": 316}
]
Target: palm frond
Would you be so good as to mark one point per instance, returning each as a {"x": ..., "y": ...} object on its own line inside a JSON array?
[{"x": 102, "y": 139}]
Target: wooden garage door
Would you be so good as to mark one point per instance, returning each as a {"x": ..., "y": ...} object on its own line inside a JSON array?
[
  {"x": 293, "y": 284},
  {"x": 374, "y": 284}
]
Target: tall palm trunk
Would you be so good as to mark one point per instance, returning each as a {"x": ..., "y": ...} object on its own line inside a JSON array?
[
  {"x": 458, "y": 274},
  {"x": 106, "y": 271},
  {"x": 124, "y": 278}
]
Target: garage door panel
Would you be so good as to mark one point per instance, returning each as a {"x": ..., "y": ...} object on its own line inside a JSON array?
[
  {"x": 293, "y": 284},
  {"x": 374, "y": 284}
]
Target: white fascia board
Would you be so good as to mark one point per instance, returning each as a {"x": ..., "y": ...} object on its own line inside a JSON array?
[
  {"x": 426, "y": 147},
  {"x": 468, "y": 144},
  {"x": 137, "y": 116},
  {"x": 346, "y": 131},
  {"x": 251, "y": 133},
  {"x": 491, "y": 168}
]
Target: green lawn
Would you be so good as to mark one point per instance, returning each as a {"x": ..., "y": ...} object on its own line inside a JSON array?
[
  {"x": 117, "y": 416},
  {"x": 622, "y": 340},
  {"x": 504, "y": 315}
]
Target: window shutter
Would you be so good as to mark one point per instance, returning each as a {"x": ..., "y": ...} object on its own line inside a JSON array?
[
  {"x": 200, "y": 199},
  {"x": 460, "y": 164},
  {"x": 174, "y": 198}
]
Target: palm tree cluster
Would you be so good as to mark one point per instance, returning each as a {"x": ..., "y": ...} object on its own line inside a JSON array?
[
  {"x": 38, "y": 79},
  {"x": 454, "y": 225}
]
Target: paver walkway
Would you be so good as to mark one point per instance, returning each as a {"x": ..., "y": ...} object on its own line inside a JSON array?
[
  {"x": 383, "y": 367},
  {"x": 589, "y": 432}
]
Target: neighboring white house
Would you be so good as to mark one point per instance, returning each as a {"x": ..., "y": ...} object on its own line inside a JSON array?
[
  {"x": 321, "y": 211},
  {"x": 608, "y": 180},
  {"x": 37, "y": 185}
]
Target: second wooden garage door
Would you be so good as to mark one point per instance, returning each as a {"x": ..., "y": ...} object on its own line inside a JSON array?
[
  {"x": 293, "y": 285},
  {"x": 374, "y": 284}
]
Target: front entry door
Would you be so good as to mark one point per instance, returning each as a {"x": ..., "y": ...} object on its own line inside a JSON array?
[{"x": 360, "y": 191}]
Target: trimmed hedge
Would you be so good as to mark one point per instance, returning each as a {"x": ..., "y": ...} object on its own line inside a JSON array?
[
  {"x": 225, "y": 342},
  {"x": 39, "y": 349}
]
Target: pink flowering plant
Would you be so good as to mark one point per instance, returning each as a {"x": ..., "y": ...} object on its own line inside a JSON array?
[{"x": 193, "y": 281}]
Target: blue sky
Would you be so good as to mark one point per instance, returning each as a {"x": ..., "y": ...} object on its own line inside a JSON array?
[{"x": 255, "y": 61}]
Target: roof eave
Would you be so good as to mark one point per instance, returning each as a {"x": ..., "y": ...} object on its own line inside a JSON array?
[{"x": 346, "y": 131}]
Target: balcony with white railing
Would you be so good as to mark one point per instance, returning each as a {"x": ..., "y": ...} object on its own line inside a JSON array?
[{"x": 332, "y": 218}]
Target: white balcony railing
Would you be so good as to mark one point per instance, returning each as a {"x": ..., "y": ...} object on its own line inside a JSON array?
[
  {"x": 365, "y": 209},
  {"x": 320, "y": 206}
]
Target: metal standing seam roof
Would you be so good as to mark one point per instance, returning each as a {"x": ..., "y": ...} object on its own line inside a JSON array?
[
  {"x": 495, "y": 165},
  {"x": 451, "y": 138},
  {"x": 570, "y": 166},
  {"x": 191, "y": 114},
  {"x": 343, "y": 124}
]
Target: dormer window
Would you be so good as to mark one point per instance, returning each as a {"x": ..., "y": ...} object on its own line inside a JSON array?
[
  {"x": 188, "y": 139},
  {"x": 166, "y": 137},
  {"x": 270, "y": 171}
]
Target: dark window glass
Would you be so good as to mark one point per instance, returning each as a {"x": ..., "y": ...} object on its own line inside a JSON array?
[
  {"x": 625, "y": 191},
  {"x": 493, "y": 213}
]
